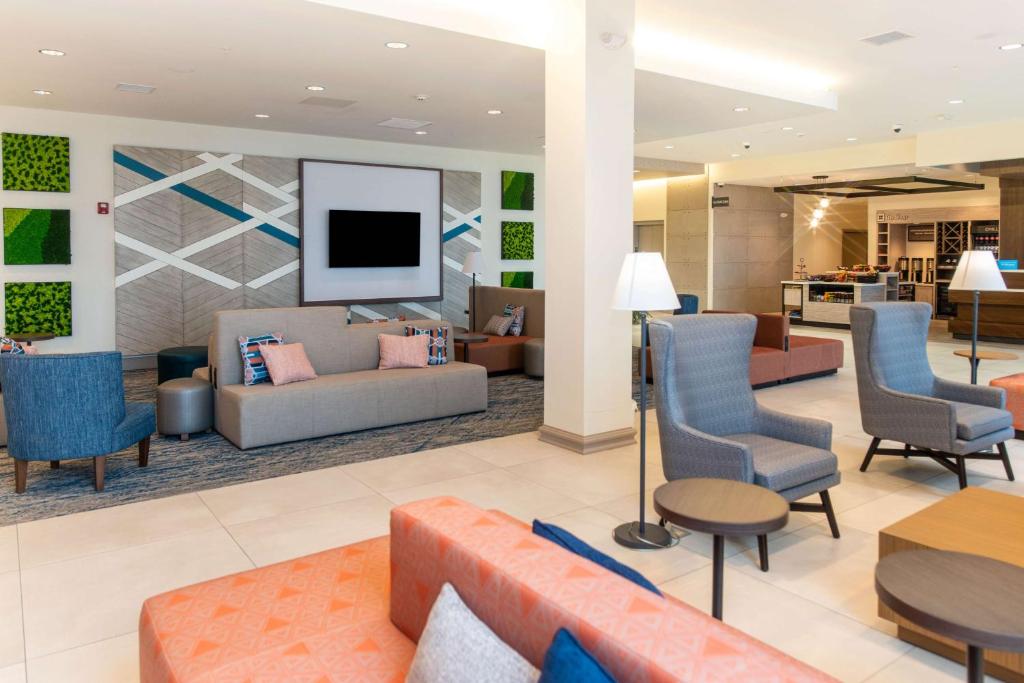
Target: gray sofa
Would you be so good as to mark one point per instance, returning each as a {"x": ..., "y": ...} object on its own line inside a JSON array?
[{"x": 350, "y": 393}]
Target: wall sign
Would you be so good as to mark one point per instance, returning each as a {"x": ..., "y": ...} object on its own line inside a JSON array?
[
  {"x": 719, "y": 202},
  {"x": 892, "y": 217}
]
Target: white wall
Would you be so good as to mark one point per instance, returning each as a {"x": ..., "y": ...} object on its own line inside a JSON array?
[
  {"x": 650, "y": 199},
  {"x": 92, "y": 236}
]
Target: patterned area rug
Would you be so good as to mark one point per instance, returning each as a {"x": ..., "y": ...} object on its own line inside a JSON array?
[{"x": 515, "y": 405}]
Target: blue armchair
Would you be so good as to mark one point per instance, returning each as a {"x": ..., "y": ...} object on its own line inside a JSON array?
[
  {"x": 902, "y": 400},
  {"x": 67, "y": 406},
  {"x": 711, "y": 425}
]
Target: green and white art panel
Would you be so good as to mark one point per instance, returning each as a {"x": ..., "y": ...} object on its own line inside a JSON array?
[
  {"x": 516, "y": 241},
  {"x": 37, "y": 308},
  {"x": 517, "y": 279},
  {"x": 36, "y": 163},
  {"x": 37, "y": 236},
  {"x": 517, "y": 190}
]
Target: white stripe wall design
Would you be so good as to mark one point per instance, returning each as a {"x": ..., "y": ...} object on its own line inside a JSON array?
[{"x": 197, "y": 232}]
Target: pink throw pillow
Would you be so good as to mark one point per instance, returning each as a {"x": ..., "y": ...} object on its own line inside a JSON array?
[
  {"x": 287, "y": 363},
  {"x": 403, "y": 352}
]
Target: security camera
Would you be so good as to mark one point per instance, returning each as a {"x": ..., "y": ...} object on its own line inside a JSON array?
[
  {"x": 746, "y": 145},
  {"x": 897, "y": 128}
]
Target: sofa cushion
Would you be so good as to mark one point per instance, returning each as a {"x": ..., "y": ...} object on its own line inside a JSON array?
[
  {"x": 563, "y": 538},
  {"x": 497, "y": 354},
  {"x": 321, "y": 615},
  {"x": 779, "y": 465},
  {"x": 810, "y": 355},
  {"x": 974, "y": 421},
  {"x": 403, "y": 352},
  {"x": 1014, "y": 386},
  {"x": 287, "y": 363},
  {"x": 456, "y": 647},
  {"x": 766, "y": 365},
  {"x": 566, "y": 661},
  {"x": 437, "y": 350},
  {"x": 499, "y": 325},
  {"x": 525, "y": 589},
  {"x": 518, "y": 315},
  {"x": 254, "y": 369}
]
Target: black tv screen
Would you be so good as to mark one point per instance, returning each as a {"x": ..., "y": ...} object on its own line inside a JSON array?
[{"x": 373, "y": 239}]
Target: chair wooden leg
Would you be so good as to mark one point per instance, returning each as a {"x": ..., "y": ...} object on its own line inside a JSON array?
[
  {"x": 906, "y": 450},
  {"x": 1006, "y": 460},
  {"x": 183, "y": 437},
  {"x": 55, "y": 464},
  {"x": 870, "y": 454},
  {"x": 826, "y": 502},
  {"x": 99, "y": 464},
  {"x": 144, "y": 452},
  {"x": 762, "y": 551},
  {"x": 961, "y": 471},
  {"x": 20, "y": 475}
]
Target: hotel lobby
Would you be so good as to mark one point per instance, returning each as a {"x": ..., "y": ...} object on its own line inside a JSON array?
[{"x": 574, "y": 340}]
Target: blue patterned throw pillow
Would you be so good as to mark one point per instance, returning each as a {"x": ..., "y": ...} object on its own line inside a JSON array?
[
  {"x": 566, "y": 661},
  {"x": 9, "y": 346},
  {"x": 254, "y": 369},
  {"x": 518, "y": 315},
  {"x": 437, "y": 350}
]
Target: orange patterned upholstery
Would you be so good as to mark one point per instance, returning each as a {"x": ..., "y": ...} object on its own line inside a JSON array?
[
  {"x": 1014, "y": 385},
  {"x": 525, "y": 588},
  {"x": 352, "y": 614},
  {"x": 317, "y": 619}
]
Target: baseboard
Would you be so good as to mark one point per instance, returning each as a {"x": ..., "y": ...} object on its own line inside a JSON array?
[
  {"x": 592, "y": 443},
  {"x": 146, "y": 361}
]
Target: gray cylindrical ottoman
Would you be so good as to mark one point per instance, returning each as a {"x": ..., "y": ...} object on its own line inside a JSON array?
[
  {"x": 184, "y": 406},
  {"x": 533, "y": 357}
]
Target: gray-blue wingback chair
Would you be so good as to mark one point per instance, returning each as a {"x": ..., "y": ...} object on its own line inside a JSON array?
[
  {"x": 711, "y": 425},
  {"x": 67, "y": 406},
  {"x": 902, "y": 400}
]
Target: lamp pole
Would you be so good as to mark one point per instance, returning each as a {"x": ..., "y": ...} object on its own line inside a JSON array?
[{"x": 974, "y": 339}]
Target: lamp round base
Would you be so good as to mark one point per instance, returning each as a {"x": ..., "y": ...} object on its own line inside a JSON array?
[{"x": 649, "y": 537}]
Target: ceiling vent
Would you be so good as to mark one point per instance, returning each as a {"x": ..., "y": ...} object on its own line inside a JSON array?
[
  {"x": 886, "y": 38},
  {"x": 404, "y": 124},
  {"x": 136, "y": 88},
  {"x": 332, "y": 102}
]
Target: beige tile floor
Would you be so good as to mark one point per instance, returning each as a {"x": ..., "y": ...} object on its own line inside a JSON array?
[{"x": 71, "y": 587}]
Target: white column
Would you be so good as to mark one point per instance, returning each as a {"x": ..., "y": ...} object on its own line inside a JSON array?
[{"x": 589, "y": 81}]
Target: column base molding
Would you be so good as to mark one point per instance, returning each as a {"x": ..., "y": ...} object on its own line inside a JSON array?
[{"x": 592, "y": 443}]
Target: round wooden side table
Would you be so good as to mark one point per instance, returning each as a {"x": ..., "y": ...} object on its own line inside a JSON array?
[
  {"x": 467, "y": 338},
  {"x": 722, "y": 507},
  {"x": 30, "y": 337},
  {"x": 973, "y": 599},
  {"x": 984, "y": 354}
]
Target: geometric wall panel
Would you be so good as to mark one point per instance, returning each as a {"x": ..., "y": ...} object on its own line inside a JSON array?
[
  {"x": 198, "y": 232},
  {"x": 36, "y": 163},
  {"x": 37, "y": 236},
  {"x": 37, "y": 307}
]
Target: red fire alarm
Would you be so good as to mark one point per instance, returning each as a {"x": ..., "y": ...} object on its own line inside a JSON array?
[{"x": 102, "y": 208}]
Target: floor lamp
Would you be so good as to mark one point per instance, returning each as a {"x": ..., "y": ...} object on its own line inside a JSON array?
[
  {"x": 644, "y": 285},
  {"x": 471, "y": 266},
  {"x": 977, "y": 271}
]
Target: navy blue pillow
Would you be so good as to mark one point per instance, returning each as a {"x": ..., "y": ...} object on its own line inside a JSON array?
[
  {"x": 567, "y": 662},
  {"x": 558, "y": 535}
]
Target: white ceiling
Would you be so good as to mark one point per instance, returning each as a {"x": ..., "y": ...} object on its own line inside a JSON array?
[
  {"x": 256, "y": 56},
  {"x": 221, "y": 62}
]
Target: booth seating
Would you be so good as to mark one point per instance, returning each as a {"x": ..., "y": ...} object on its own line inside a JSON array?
[
  {"x": 502, "y": 354},
  {"x": 1014, "y": 386},
  {"x": 778, "y": 356},
  {"x": 356, "y": 613}
]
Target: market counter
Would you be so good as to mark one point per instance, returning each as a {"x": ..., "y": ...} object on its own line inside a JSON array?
[
  {"x": 1000, "y": 315},
  {"x": 827, "y": 304}
]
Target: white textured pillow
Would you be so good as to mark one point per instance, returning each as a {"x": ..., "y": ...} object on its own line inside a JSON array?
[
  {"x": 498, "y": 325},
  {"x": 456, "y": 647}
]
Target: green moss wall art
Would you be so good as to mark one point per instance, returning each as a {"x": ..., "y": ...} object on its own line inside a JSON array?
[
  {"x": 37, "y": 307},
  {"x": 517, "y": 190},
  {"x": 518, "y": 279},
  {"x": 37, "y": 236},
  {"x": 516, "y": 241},
  {"x": 36, "y": 163}
]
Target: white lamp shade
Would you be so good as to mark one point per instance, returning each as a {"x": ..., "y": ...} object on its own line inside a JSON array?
[
  {"x": 474, "y": 263},
  {"x": 977, "y": 270},
  {"x": 644, "y": 284}
]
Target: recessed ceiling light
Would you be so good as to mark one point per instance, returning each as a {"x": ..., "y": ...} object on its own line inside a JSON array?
[
  {"x": 396, "y": 45},
  {"x": 787, "y": 128},
  {"x": 740, "y": 110},
  {"x": 734, "y": 155},
  {"x": 1011, "y": 46},
  {"x": 421, "y": 132},
  {"x": 42, "y": 92},
  {"x": 52, "y": 53},
  {"x": 316, "y": 88},
  {"x": 494, "y": 112},
  {"x": 956, "y": 101},
  {"x": 422, "y": 98},
  {"x": 851, "y": 139},
  {"x": 670, "y": 146},
  {"x": 636, "y": 170},
  {"x": 800, "y": 135},
  {"x": 262, "y": 116}
]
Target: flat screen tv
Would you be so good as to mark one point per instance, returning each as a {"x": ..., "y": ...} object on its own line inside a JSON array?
[{"x": 373, "y": 239}]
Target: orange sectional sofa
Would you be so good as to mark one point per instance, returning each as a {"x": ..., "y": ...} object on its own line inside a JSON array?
[
  {"x": 502, "y": 354},
  {"x": 354, "y": 614}
]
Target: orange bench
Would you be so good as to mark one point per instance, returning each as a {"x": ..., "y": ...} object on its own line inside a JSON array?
[{"x": 1014, "y": 386}]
